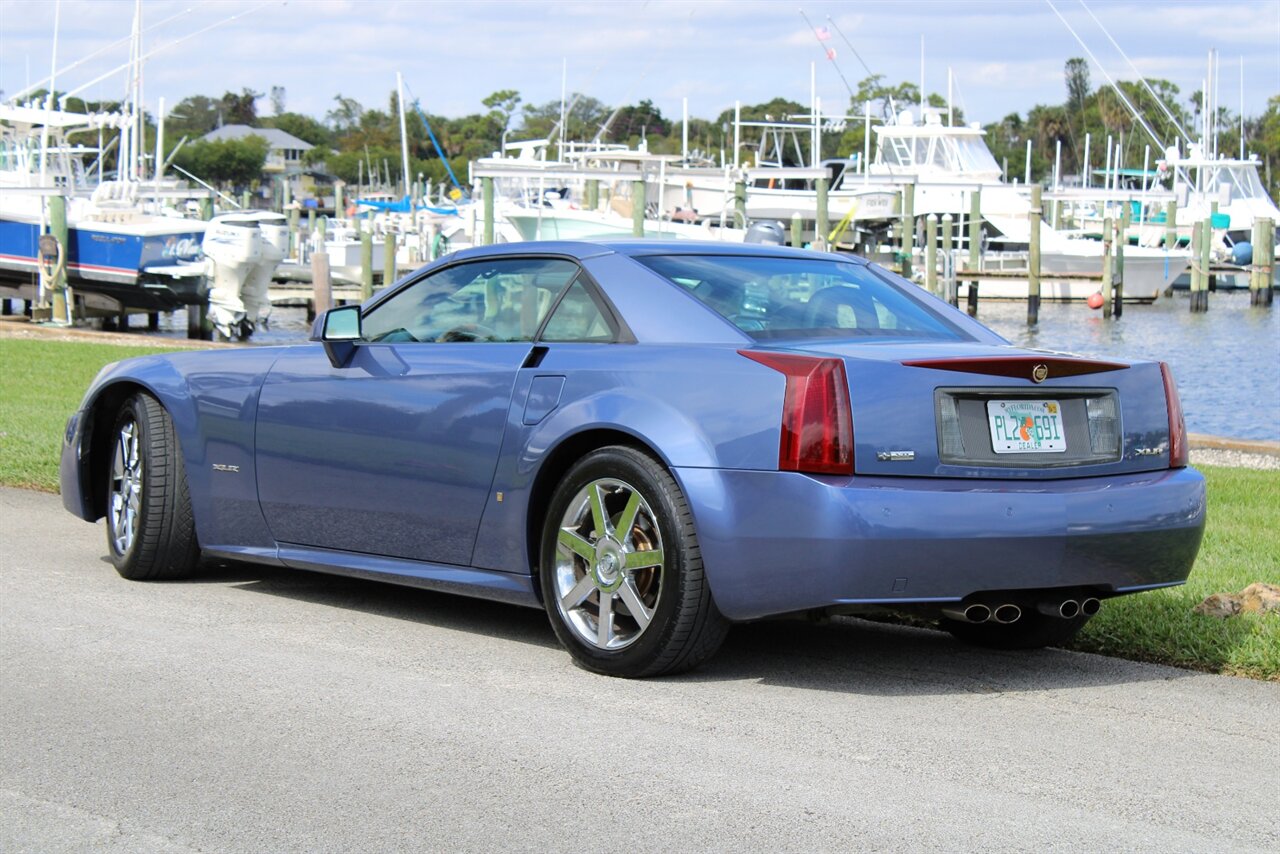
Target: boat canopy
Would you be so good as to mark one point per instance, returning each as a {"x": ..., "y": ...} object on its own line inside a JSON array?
[
  {"x": 935, "y": 149},
  {"x": 1242, "y": 178}
]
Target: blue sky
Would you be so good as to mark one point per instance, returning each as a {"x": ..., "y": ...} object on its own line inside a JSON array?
[{"x": 1006, "y": 55}]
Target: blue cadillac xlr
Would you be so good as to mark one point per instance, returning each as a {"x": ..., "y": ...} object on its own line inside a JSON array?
[{"x": 653, "y": 441}]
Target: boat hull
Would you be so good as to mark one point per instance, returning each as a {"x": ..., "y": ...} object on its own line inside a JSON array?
[{"x": 130, "y": 268}]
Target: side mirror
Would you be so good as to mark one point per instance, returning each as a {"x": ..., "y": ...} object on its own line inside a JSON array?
[{"x": 339, "y": 331}]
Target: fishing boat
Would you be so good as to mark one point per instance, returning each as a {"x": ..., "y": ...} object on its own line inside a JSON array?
[{"x": 118, "y": 257}]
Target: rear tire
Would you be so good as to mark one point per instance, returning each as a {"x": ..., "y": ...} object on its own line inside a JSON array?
[
  {"x": 621, "y": 572},
  {"x": 1032, "y": 631},
  {"x": 151, "y": 532}
]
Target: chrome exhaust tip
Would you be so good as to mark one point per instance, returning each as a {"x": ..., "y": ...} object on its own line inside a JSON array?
[
  {"x": 975, "y": 613},
  {"x": 1090, "y": 606},
  {"x": 1065, "y": 609},
  {"x": 1006, "y": 613}
]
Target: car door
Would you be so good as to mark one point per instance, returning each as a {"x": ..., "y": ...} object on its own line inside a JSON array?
[{"x": 394, "y": 453}]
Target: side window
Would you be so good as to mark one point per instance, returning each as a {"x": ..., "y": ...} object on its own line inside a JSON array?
[
  {"x": 493, "y": 300},
  {"x": 577, "y": 318}
]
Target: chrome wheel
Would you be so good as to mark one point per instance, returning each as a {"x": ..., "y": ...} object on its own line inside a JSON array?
[
  {"x": 126, "y": 488},
  {"x": 608, "y": 565}
]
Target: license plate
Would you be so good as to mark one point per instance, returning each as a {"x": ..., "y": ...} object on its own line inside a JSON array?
[{"x": 1026, "y": 426}]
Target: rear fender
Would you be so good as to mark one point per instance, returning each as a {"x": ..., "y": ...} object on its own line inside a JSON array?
[{"x": 528, "y": 473}]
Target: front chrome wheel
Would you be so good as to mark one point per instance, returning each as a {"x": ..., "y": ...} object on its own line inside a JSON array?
[
  {"x": 150, "y": 527},
  {"x": 125, "y": 488},
  {"x": 608, "y": 566}
]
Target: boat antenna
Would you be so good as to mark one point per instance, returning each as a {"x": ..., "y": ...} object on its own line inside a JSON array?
[
  {"x": 626, "y": 99},
  {"x": 115, "y": 44},
  {"x": 830, "y": 53},
  {"x": 62, "y": 99},
  {"x": 1119, "y": 92},
  {"x": 849, "y": 45},
  {"x": 1141, "y": 78}
]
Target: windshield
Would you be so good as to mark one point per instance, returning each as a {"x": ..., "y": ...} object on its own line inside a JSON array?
[
  {"x": 1243, "y": 181},
  {"x": 937, "y": 152},
  {"x": 801, "y": 298}
]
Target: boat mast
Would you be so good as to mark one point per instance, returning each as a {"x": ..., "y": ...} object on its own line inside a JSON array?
[
  {"x": 404, "y": 137},
  {"x": 48, "y": 102}
]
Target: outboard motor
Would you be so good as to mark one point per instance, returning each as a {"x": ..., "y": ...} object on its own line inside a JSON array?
[
  {"x": 241, "y": 252},
  {"x": 767, "y": 232}
]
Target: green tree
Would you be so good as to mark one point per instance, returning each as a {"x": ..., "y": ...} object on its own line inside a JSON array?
[
  {"x": 193, "y": 116},
  {"x": 345, "y": 115},
  {"x": 239, "y": 109},
  {"x": 303, "y": 127},
  {"x": 502, "y": 106},
  {"x": 225, "y": 162}
]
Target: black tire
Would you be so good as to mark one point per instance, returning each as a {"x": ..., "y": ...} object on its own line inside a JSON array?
[
  {"x": 156, "y": 539},
  {"x": 683, "y": 627},
  {"x": 1032, "y": 631}
]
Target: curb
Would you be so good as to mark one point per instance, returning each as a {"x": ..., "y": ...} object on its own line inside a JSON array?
[{"x": 1221, "y": 443}]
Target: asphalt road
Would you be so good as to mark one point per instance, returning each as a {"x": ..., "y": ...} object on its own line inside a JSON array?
[{"x": 266, "y": 710}]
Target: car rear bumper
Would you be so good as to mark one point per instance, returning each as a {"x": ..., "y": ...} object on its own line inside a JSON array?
[{"x": 776, "y": 542}]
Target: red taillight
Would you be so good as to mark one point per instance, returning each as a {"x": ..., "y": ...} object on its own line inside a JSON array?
[
  {"x": 1177, "y": 424},
  {"x": 817, "y": 425}
]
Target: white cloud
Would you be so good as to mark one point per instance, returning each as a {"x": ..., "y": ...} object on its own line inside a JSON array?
[{"x": 1008, "y": 56}]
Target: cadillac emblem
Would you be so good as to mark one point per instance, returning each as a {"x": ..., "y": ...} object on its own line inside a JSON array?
[{"x": 1040, "y": 373}]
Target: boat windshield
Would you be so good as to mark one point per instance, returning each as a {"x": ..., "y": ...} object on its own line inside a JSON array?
[
  {"x": 937, "y": 153},
  {"x": 1242, "y": 179}
]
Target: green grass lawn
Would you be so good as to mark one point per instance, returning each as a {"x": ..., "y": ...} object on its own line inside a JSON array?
[
  {"x": 1241, "y": 545},
  {"x": 42, "y": 382}
]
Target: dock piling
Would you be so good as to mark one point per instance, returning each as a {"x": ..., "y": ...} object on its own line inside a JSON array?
[
  {"x": 1171, "y": 224},
  {"x": 389, "y": 271},
  {"x": 637, "y": 208},
  {"x": 1107, "y": 285},
  {"x": 1033, "y": 257},
  {"x": 975, "y": 247},
  {"x": 823, "y": 223},
  {"x": 366, "y": 262},
  {"x": 931, "y": 254},
  {"x": 1117, "y": 287},
  {"x": 797, "y": 238},
  {"x": 1264, "y": 262},
  {"x": 740, "y": 204},
  {"x": 486, "y": 189},
  {"x": 60, "y": 293},
  {"x": 1200, "y": 299},
  {"x": 1195, "y": 263},
  {"x": 321, "y": 283},
  {"x": 907, "y": 233},
  {"x": 950, "y": 291}
]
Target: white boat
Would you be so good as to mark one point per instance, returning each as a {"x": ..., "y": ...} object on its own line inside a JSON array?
[
  {"x": 118, "y": 257},
  {"x": 1148, "y": 271}
]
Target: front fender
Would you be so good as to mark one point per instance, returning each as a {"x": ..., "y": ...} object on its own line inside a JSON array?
[{"x": 211, "y": 397}]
